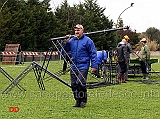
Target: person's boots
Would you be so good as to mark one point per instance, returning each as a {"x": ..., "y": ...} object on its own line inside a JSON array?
[
  {"x": 78, "y": 100},
  {"x": 147, "y": 76},
  {"x": 123, "y": 79},
  {"x": 144, "y": 76},
  {"x": 83, "y": 96},
  {"x": 118, "y": 78},
  {"x": 76, "y": 96},
  {"x": 126, "y": 76},
  {"x": 77, "y": 103}
]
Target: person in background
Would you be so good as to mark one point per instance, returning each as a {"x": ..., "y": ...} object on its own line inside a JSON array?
[
  {"x": 67, "y": 58},
  {"x": 83, "y": 53},
  {"x": 144, "y": 57},
  {"x": 101, "y": 59},
  {"x": 122, "y": 60},
  {"x": 129, "y": 51}
]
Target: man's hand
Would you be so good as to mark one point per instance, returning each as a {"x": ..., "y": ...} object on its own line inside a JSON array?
[
  {"x": 68, "y": 38},
  {"x": 94, "y": 69}
]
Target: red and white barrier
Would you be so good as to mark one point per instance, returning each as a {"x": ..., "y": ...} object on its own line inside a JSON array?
[
  {"x": 30, "y": 53},
  {"x": 50, "y": 53},
  {"x": 9, "y": 53}
]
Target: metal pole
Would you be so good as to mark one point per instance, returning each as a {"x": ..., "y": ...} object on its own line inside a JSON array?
[
  {"x": 122, "y": 13},
  {"x": 120, "y": 16},
  {"x": 101, "y": 31}
]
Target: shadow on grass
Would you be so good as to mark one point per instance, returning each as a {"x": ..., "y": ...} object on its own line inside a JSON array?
[
  {"x": 91, "y": 85},
  {"x": 151, "y": 81}
]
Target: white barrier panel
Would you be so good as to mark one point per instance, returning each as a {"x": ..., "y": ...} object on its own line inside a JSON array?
[
  {"x": 50, "y": 53},
  {"x": 30, "y": 53},
  {"x": 27, "y": 56},
  {"x": 9, "y": 53}
]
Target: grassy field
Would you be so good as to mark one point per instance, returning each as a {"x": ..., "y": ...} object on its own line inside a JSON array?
[{"x": 135, "y": 99}]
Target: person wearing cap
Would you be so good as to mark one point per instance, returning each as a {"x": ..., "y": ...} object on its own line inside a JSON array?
[
  {"x": 83, "y": 53},
  {"x": 129, "y": 51},
  {"x": 144, "y": 57}
]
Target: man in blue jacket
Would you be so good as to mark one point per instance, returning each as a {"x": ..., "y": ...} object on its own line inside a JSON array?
[
  {"x": 101, "y": 58},
  {"x": 83, "y": 53}
]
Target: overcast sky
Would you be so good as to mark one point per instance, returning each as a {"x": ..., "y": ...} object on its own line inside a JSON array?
[{"x": 143, "y": 14}]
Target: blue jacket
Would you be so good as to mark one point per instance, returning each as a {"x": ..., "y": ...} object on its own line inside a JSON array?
[
  {"x": 64, "y": 53},
  {"x": 83, "y": 51},
  {"x": 99, "y": 57}
]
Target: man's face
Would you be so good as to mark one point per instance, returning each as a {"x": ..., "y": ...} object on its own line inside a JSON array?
[
  {"x": 142, "y": 42},
  {"x": 127, "y": 40},
  {"x": 124, "y": 41},
  {"x": 78, "y": 32}
]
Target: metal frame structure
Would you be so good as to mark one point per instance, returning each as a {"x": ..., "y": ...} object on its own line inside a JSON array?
[
  {"x": 11, "y": 79},
  {"x": 41, "y": 70}
]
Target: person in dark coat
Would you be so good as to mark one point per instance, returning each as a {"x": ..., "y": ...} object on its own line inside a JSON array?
[
  {"x": 122, "y": 60},
  {"x": 66, "y": 60},
  {"x": 129, "y": 51}
]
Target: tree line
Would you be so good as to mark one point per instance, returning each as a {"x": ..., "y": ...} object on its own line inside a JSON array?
[{"x": 32, "y": 23}]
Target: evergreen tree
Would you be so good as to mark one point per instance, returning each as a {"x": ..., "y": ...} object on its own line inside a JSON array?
[
  {"x": 90, "y": 15},
  {"x": 30, "y": 23}
]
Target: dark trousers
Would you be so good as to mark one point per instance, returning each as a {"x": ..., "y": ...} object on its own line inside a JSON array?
[
  {"x": 65, "y": 63},
  {"x": 78, "y": 84},
  {"x": 123, "y": 67},
  {"x": 98, "y": 70},
  {"x": 144, "y": 67}
]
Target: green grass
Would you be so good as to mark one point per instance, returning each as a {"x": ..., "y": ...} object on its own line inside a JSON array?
[{"x": 136, "y": 99}]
